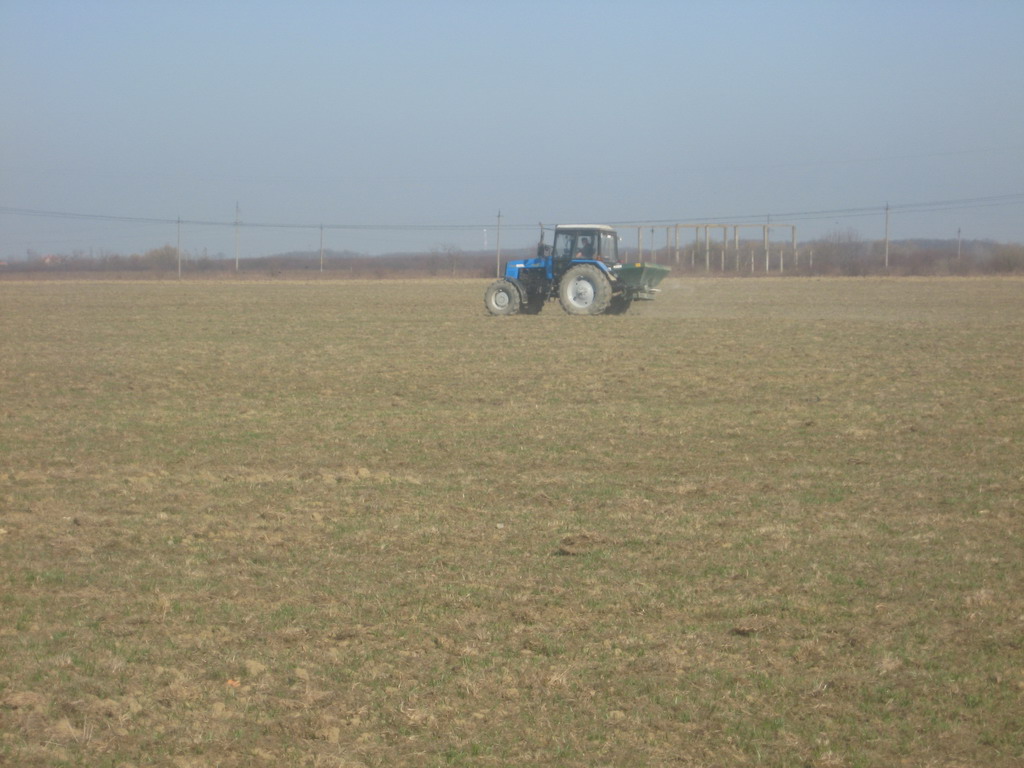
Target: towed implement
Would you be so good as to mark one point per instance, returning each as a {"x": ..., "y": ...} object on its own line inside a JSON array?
[{"x": 581, "y": 269}]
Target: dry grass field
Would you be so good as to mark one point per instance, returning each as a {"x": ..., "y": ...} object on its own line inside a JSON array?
[{"x": 768, "y": 522}]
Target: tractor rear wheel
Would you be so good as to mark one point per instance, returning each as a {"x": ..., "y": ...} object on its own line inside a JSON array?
[
  {"x": 584, "y": 290},
  {"x": 502, "y": 298}
]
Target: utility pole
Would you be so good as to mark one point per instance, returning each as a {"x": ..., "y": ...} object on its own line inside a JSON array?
[
  {"x": 321, "y": 247},
  {"x": 958, "y": 244},
  {"x": 725, "y": 244},
  {"x": 767, "y": 253},
  {"x": 179, "y": 248}
]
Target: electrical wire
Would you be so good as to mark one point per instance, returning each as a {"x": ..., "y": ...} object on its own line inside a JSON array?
[
  {"x": 844, "y": 213},
  {"x": 990, "y": 201}
]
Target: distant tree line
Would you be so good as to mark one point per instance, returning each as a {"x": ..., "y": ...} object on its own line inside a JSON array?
[
  {"x": 446, "y": 261},
  {"x": 839, "y": 253}
]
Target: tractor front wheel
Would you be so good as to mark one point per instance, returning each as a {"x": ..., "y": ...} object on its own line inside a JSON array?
[
  {"x": 502, "y": 298},
  {"x": 584, "y": 290}
]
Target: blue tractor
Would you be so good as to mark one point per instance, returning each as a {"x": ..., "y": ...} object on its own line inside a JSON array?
[{"x": 581, "y": 269}]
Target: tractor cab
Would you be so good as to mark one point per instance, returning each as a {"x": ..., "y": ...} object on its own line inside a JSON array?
[{"x": 584, "y": 243}]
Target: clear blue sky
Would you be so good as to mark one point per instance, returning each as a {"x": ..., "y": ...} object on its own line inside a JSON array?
[{"x": 445, "y": 112}]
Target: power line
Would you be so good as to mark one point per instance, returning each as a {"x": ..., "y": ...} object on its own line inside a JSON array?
[
  {"x": 842, "y": 213},
  {"x": 990, "y": 201},
  {"x": 250, "y": 224}
]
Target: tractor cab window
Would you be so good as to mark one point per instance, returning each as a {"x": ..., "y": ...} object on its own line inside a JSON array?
[
  {"x": 609, "y": 248},
  {"x": 565, "y": 245}
]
